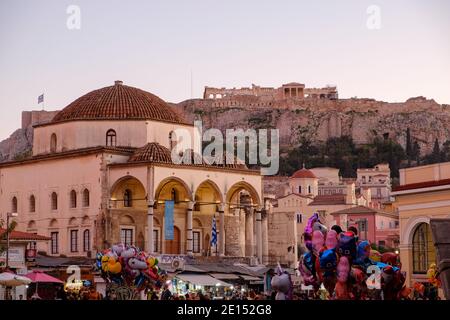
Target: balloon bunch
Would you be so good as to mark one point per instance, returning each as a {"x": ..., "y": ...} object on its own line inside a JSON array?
[
  {"x": 128, "y": 265},
  {"x": 346, "y": 267},
  {"x": 281, "y": 282}
]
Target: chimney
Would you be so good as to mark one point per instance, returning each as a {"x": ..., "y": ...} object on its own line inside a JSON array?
[
  {"x": 118, "y": 82},
  {"x": 350, "y": 196}
]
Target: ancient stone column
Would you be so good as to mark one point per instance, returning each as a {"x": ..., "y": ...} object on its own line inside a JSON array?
[
  {"x": 189, "y": 237},
  {"x": 150, "y": 207},
  {"x": 259, "y": 251},
  {"x": 242, "y": 244},
  {"x": 222, "y": 230},
  {"x": 265, "y": 238},
  {"x": 249, "y": 241}
]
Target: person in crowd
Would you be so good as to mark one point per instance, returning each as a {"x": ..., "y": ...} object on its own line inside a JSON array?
[
  {"x": 94, "y": 294},
  {"x": 166, "y": 294},
  {"x": 336, "y": 228}
]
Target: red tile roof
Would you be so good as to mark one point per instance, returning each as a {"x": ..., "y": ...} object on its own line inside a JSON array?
[
  {"x": 333, "y": 199},
  {"x": 426, "y": 184},
  {"x": 304, "y": 173},
  {"x": 19, "y": 235},
  {"x": 118, "y": 102}
]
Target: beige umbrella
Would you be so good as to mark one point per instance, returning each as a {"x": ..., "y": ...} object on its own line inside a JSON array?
[{"x": 13, "y": 280}]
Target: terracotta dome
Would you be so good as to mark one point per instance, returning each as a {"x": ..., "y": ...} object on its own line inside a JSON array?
[
  {"x": 304, "y": 173},
  {"x": 118, "y": 102},
  {"x": 153, "y": 152}
]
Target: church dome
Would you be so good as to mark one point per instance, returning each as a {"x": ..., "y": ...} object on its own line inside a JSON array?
[
  {"x": 303, "y": 174},
  {"x": 118, "y": 102}
]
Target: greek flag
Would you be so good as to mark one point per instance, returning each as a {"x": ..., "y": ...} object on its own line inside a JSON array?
[
  {"x": 214, "y": 232},
  {"x": 41, "y": 98}
]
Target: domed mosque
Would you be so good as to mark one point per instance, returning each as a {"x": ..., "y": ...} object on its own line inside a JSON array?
[{"x": 102, "y": 173}]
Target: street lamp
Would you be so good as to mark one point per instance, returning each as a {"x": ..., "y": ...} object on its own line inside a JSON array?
[{"x": 8, "y": 215}]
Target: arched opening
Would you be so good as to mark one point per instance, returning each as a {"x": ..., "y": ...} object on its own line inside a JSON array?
[
  {"x": 207, "y": 197},
  {"x": 54, "y": 201},
  {"x": 423, "y": 248},
  {"x": 86, "y": 198},
  {"x": 128, "y": 192},
  {"x": 239, "y": 191},
  {"x": 73, "y": 199},
  {"x": 14, "y": 205},
  {"x": 53, "y": 142},
  {"x": 32, "y": 203},
  {"x": 111, "y": 138}
]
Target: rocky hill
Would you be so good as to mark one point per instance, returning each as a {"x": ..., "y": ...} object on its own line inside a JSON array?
[
  {"x": 311, "y": 118},
  {"x": 20, "y": 142},
  {"x": 319, "y": 119}
]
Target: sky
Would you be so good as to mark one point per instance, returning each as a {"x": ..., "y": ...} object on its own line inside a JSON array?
[{"x": 388, "y": 50}]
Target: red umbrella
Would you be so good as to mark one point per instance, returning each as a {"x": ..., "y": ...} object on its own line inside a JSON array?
[{"x": 39, "y": 276}]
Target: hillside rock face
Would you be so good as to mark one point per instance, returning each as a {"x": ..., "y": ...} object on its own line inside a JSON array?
[
  {"x": 320, "y": 119},
  {"x": 20, "y": 142}
]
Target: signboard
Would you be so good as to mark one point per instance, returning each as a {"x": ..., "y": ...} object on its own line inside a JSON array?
[
  {"x": 168, "y": 220},
  {"x": 30, "y": 254},
  {"x": 16, "y": 257}
]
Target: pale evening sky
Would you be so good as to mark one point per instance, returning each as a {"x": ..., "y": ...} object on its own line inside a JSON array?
[{"x": 154, "y": 45}]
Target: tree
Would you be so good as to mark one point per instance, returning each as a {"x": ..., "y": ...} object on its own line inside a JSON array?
[
  {"x": 4, "y": 236},
  {"x": 415, "y": 153},
  {"x": 408, "y": 146}
]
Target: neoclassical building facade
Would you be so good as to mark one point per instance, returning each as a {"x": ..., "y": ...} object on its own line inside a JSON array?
[
  {"x": 423, "y": 194},
  {"x": 101, "y": 173}
]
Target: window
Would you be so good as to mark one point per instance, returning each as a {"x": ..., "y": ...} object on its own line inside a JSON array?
[
  {"x": 423, "y": 249},
  {"x": 86, "y": 240},
  {"x": 299, "y": 189},
  {"x": 381, "y": 243},
  {"x": 54, "y": 201},
  {"x": 309, "y": 189},
  {"x": 381, "y": 224},
  {"x": 54, "y": 242},
  {"x": 126, "y": 236},
  {"x": 14, "y": 205},
  {"x": 379, "y": 192},
  {"x": 32, "y": 203},
  {"x": 86, "y": 198},
  {"x": 196, "y": 241},
  {"x": 299, "y": 218},
  {"x": 73, "y": 199},
  {"x": 53, "y": 143},
  {"x": 73, "y": 240},
  {"x": 155, "y": 240},
  {"x": 111, "y": 138},
  {"x": 174, "y": 195},
  {"x": 127, "y": 199}
]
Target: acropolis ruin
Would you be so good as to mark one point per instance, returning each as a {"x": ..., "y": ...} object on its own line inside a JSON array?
[{"x": 292, "y": 90}]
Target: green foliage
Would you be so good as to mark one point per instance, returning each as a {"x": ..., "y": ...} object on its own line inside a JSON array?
[
  {"x": 4, "y": 236},
  {"x": 342, "y": 153}
]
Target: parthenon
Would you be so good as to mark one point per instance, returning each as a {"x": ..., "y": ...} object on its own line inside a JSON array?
[{"x": 292, "y": 90}]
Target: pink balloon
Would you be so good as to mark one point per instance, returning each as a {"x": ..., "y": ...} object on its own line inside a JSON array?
[
  {"x": 318, "y": 241},
  {"x": 331, "y": 240},
  {"x": 343, "y": 269}
]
